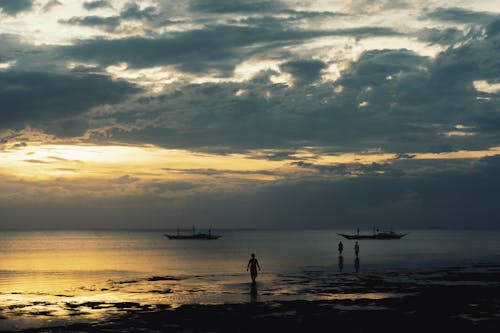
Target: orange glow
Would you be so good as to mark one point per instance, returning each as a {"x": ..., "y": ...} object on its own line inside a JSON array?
[
  {"x": 95, "y": 163},
  {"x": 76, "y": 161}
]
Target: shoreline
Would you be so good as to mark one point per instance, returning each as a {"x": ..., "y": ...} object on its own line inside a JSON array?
[{"x": 463, "y": 299}]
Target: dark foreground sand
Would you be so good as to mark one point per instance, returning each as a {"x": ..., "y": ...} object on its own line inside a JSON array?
[{"x": 451, "y": 300}]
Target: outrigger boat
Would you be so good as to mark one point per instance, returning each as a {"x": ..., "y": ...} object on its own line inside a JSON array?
[
  {"x": 376, "y": 235},
  {"x": 194, "y": 235}
]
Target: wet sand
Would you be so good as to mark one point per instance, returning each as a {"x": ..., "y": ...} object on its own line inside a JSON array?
[{"x": 460, "y": 299}]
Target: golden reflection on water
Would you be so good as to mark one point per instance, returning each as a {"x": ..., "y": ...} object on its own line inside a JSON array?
[
  {"x": 358, "y": 296},
  {"x": 60, "y": 277}
]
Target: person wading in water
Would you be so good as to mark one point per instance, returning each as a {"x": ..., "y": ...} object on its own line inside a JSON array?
[{"x": 253, "y": 264}]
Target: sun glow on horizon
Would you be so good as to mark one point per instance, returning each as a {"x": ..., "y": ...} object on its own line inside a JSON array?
[
  {"x": 49, "y": 161},
  {"x": 74, "y": 161}
]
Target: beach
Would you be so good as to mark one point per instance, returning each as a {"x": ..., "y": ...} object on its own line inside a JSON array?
[{"x": 454, "y": 299}]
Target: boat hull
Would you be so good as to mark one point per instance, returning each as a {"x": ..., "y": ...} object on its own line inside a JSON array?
[
  {"x": 195, "y": 236},
  {"x": 376, "y": 236}
]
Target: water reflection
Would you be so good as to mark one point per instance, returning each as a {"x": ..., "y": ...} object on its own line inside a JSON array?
[
  {"x": 341, "y": 263},
  {"x": 356, "y": 264},
  {"x": 253, "y": 293}
]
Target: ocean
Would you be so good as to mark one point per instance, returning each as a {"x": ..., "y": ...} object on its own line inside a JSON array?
[{"x": 53, "y": 277}]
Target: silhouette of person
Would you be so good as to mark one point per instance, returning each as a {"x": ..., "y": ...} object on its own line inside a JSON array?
[
  {"x": 253, "y": 264},
  {"x": 341, "y": 247},
  {"x": 356, "y": 248},
  {"x": 356, "y": 264},
  {"x": 341, "y": 263}
]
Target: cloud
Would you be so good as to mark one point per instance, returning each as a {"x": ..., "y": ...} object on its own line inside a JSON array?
[
  {"x": 448, "y": 36},
  {"x": 237, "y": 6},
  {"x": 38, "y": 97},
  {"x": 35, "y": 161},
  {"x": 373, "y": 6},
  {"x": 460, "y": 15},
  {"x": 14, "y": 7},
  {"x": 132, "y": 11},
  {"x": 403, "y": 156},
  {"x": 171, "y": 186},
  {"x": 220, "y": 172},
  {"x": 345, "y": 169},
  {"x": 449, "y": 196},
  {"x": 362, "y": 81},
  {"x": 51, "y": 4},
  {"x": 109, "y": 23},
  {"x": 91, "y": 5},
  {"x": 202, "y": 50},
  {"x": 304, "y": 71},
  {"x": 125, "y": 179},
  {"x": 392, "y": 99}
]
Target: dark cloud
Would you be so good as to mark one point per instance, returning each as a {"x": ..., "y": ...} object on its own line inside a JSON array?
[
  {"x": 284, "y": 18},
  {"x": 393, "y": 99},
  {"x": 109, "y": 23},
  {"x": 170, "y": 186},
  {"x": 220, "y": 172},
  {"x": 363, "y": 32},
  {"x": 28, "y": 97},
  {"x": 220, "y": 47},
  {"x": 13, "y": 7},
  {"x": 446, "y": 197},
  {"x": 372, "y": 6},
  {"x": 493, "y": 28},
  {"x": 211, "y": 115},
  {"x": 132, "y": 11},
  {"x": 91, "y": 5},
  {"x": 237, "y": 6},
  {"x": 24, "y": 55},
  {"x": 448, "y": 36},
  {"x": 345, "y": 169},
  {"x": 374, "y": 66},
  {"x": 414, "y": 98},
  {"x": 403, "y": 155},
  {"x": 461, "y": 15},
  {"x": 461, "y": 195},
  {"x": 304, "y": 71}
]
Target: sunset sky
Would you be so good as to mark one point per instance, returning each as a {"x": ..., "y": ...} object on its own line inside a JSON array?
[{"x": 249, "y": 113}]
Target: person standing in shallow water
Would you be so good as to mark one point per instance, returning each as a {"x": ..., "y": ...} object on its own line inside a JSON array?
[
  {"x": 356, "y": 248},
  {"x": 341, "y": 248},
  {"x": 253, "y": 264}
]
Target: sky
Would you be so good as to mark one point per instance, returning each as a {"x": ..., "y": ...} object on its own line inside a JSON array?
[{"x": 249, "y": 114}]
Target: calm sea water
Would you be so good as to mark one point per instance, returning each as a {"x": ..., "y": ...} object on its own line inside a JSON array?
[{"x": 47, "y": 277}]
